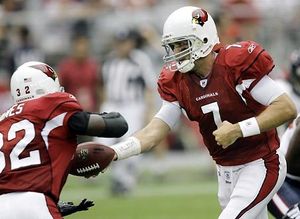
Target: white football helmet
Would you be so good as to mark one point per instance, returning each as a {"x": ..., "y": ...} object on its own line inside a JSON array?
[
  {"x": 194, "y": 26},
  {"x": 32, "y": 80}
]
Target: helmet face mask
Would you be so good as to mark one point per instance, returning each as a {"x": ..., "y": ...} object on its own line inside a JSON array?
[
  {"x": 196, "y": 27},
  {"x": 33, "y": 80},
  {"x": 184, "y": 59}
]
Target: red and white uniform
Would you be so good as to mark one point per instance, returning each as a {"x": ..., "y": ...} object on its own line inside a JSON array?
[
  {"x": 36, "y": 147},
  {"x": 225, "y": 94}
]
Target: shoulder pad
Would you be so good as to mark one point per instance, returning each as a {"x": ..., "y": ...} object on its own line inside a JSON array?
[
  {"x": 167, "y": 84},
  {"x": 166, "y": 74},
  {"x": 52, "y": 101},
  {"x": 61, "y": 96},
  {"x": 241, "y": 55}
]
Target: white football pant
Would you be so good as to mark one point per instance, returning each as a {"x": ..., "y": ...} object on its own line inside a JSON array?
[
  {"x": 245, "y": 190},
  {"x": 24, "y": 205}
]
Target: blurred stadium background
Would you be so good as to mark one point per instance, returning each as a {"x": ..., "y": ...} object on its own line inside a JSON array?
[{"x": 178, "y": 179}]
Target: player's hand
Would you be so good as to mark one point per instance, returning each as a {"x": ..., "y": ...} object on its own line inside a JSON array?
[
  {"x": 115, "y": 125},
  {"x": 85, "y": 205},
  {"x": 67, "y": 208},
  {"x": 227, "y": 134}
]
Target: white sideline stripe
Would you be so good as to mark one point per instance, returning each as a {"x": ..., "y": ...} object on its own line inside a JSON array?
[
  {"x": 280, "y": 204},
  {"x": 94, "y": 193}
]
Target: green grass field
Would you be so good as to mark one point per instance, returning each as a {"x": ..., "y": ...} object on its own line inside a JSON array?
[
  {"x": 149, "y": 201},
  {"x": 179, "y": 194}
]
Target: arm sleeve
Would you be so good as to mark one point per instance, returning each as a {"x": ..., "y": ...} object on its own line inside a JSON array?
[
  {"x": 248, "y": 60},
  {"x": 266, "y": 91},
  {"x": 78, "y": 122},
  {"x": 169, "y": 113},
  {"x": 262, "y": 66}
]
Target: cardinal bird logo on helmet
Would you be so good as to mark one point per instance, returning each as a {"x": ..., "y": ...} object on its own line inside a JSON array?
[
  {"x": 47, "y": 70},
  {"x": 200, "y": 16}
]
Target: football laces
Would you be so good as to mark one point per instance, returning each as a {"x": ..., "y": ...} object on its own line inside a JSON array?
[{"x": 88, "y": 168}]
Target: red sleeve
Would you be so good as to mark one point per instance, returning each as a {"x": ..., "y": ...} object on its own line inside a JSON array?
[
  {"x": 249, "y": 61},
  {"x": 66, "y": 103},
  {"x": 166, "y": 87},
  {"x": 262, "y": 66}
]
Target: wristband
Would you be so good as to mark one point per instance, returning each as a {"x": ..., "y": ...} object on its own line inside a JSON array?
[
  {"x": 127, "y": 148},
  {"x": 249, "y": 127}
]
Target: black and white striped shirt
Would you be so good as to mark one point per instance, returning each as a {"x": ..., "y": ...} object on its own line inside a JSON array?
[{"x": 126, "y": 79}]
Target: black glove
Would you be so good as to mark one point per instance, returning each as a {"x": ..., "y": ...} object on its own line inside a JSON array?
[
  {"x": 67, "y": 208},
  {"x": 115, "y": 125}
]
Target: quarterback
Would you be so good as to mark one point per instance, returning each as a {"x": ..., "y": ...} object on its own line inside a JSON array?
[
  {"x": 38, "y": 140},
  {"x": 227, "y": 90}
]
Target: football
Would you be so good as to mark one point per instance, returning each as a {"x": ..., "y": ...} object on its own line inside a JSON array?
[{"x": 90, "y": 159}]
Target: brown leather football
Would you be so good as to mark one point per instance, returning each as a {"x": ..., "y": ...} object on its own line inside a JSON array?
[{"x": 90, "y": 159}]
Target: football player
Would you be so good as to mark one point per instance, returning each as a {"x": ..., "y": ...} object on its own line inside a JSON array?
[
  {"x": 38, "y": 140},
  {"x": 284, "y": 204},
  {"x": 285, "y": 201},
  {"x": 227, "y": 90}
]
